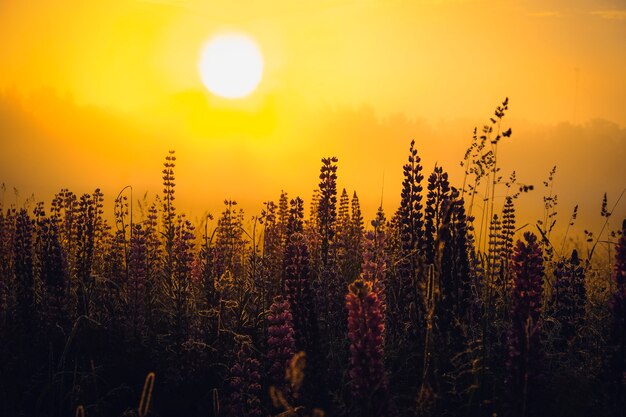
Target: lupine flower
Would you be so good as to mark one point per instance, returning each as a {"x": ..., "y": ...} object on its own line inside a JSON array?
[
  {"x": 7, "y": 233},
  {"x": 374, "y": 265},
  {"x": 54, "y": 271},
  {"x": 87, "y": 215},
  {"x": 180, "y": 285},
  {"x": 618, "y": 308},
  {"x": 618, "y": 304},
  {"x": 507, "y": 230},
  {"x": 524, "y": 338},
  {"x": 409, "y": 221},
  {"x": 327, "y": 207},
  {"x": 410, "y": 211},
  {"x": 356, "y": 222},
  {"x": 23, "y": 267},
  {"x": 229, "y": 243},
  {"x": 272, "y": 254},
  {"x": 366, "y": 333},
  {"x": 343, "y": 240},
  {"x": 569, "y": 295},
  {"x": 296, "y": 281},
  {"x": 493, "y": 248},
  {"x": 436, "y": 198},
  {"x": 169, "y": 211},
  {"x": 245, "y": 384},
  {"x": 137, "y": 280},
  {"x": 455, "y": 303},
  {"x": 281, "y": 342}
]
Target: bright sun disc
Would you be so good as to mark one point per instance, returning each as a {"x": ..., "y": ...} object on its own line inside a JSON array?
[{"x": 231, "y": 66}]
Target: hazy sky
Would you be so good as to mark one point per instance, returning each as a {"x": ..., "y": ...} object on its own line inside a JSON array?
[{"x": 95, "y": 92}]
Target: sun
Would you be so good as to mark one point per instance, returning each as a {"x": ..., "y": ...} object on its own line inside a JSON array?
[{"x": 231, "y": 66}]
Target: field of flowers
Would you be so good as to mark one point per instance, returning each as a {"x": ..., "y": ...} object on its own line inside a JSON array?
[{"x": 444, "y": 306}]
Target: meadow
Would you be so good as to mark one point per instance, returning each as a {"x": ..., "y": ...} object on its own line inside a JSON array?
[{"x": 443, "y": 306}]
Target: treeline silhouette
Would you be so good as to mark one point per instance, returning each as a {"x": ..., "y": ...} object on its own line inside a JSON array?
[{"x": 445, "y": 307}]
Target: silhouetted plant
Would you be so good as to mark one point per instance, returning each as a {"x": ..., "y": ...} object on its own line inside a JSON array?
[
  {"x": 618, "y": 328},
  {"x": 366, "y": 327},
  {"x": 7, "y": 233},
  {"x": 137, "y": 283},
  {"x": 457, "y": 302},
  {"x": 410, "y": 223},
  {"x": 180, "y": 290},
  {"x": 297, "y": 283},
  {"x": 506, "y": 242},
  {"x": 436, "y": 201},
  {"x": 154, "y": 264},
  {"x": 374, "y": 264},
  {"x": 546, "y": 225},
  {"x": 343, "y": 239},
  {"x": 494, "y": 250},
  {"x": 329, "y": 296},
  {"x": 88, "y": 219},
  {"x": 283, "y": 216},
  {"x": 245, "y": 384},
  {"x": 524, "y": 339},
  {"x": 111, "y": 292},
  {"x": 229, "y": 241},
  {"x": 272, "y": 252},
  {"x": 327, "y": 206},
  {"x": 357, "y": 230},
  {"x": 169, "y": 189},
  {"x": 208, "y": 266},
  {"x": 24, "y": 272},
  {"x": 280, "y": 342},
  {"x": 569, "y": 296},
  {"x": 53, "y": 270},
  {"x": 295, "y": 220},
  {"x": 491, "y": 158}
]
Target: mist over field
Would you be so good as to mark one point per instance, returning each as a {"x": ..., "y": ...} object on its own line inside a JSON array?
[{"x": 110, "y": 151}]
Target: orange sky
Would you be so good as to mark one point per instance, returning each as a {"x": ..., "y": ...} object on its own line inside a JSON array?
[{"x": 94, "y": 93}]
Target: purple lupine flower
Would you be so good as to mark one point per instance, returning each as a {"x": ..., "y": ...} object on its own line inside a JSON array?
[
  {"x": 327, "y": 208},
  {"x": 86, "y": 216},
  {"x": 7, "y": 234},
  {"x": 169, "y": 184},
  {"x": 366, "y": 330},
  {"x": 524, "y": 338},
  {"x": 296, "y": 281},
  {"x": 137, "y": 281},
  {"x": 618, "y": 308},
  {"x": 54, "y": 271},
  {"x": 436, "y": 202},
  {"x": 455, "y": 304},
  {"x": 281, "y": 342},
  {"x": 409, "y": 221},
  {"x": 180, "y": 286},
  {"x": 23, "y": 268},
  {"x": 569, "y": 295},
  {"x": 348, "y": 245},
  {"x": 272, "y": 254},
  {"x": 618, "y": 303},
  {"x": 357, "y": 229},
  {"x": 245, "y": 384},
  {"x": 374, "y": 265}
]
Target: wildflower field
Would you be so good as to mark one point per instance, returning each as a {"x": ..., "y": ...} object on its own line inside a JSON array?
[{"x": 443, "y": 306}]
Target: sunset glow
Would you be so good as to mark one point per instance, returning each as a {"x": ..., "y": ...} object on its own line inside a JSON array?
[{"x": 346, "y": 208}]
